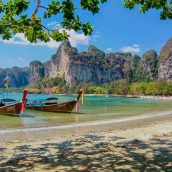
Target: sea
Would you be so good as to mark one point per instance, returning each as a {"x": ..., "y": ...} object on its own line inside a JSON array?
[{"x": 96, "y": 110}]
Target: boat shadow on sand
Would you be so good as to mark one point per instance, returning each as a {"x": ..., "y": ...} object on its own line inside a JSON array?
[{"x": 91, "y": 153}]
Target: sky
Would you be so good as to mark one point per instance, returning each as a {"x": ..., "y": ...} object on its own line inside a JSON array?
[{"x": 116, "y": 29}]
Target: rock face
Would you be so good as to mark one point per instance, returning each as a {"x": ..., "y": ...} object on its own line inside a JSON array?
[
  {"x": 36, "y": 71},
  {"x": 149, "y": 64},
  {"x": 96, "y": 70},
  {"x": 93, "y": 66},
  {"x": 59, "y": 62},
  {"x": 165, "y": 62},
  {"x": 17, "y": 76},
  {"x": 95, "y": 51}
]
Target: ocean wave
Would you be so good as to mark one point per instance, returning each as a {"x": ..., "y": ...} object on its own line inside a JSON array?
[{"x": 85, "y": 124}]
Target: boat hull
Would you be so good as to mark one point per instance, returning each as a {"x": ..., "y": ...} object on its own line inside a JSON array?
[
  {"x": 12, "y": 109},
  {"x": 66, "y": 107}
]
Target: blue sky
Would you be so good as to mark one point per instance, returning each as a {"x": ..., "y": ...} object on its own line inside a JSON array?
[{"x": 116, "y": 29}]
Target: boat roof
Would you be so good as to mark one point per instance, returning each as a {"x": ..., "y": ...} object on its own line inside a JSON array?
[
  {"x": 52, "y": 98},
  {"x": 44, "y": 99},
  {"x": 7, "y": 100}
]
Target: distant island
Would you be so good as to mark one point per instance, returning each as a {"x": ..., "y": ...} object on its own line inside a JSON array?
[{"x": 97, "y": 72}]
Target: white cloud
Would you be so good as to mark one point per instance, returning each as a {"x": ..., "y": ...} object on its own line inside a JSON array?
[
  {"x": 19, "y": 39},
  {"x": 20, "y": 59},
  {"x": 75, "y": 39},
  {"x": 54, "y": 25},
  {"x": 135, "y": 48},
  {"x": 109, "y": 50}
]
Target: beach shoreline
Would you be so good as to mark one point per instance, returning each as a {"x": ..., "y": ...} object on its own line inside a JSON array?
[
  {"x": 156, "y": 97},
  {"x": 98, "y": 148},
  {"x": 93, "y": 124},
  {"x": 96, "y": 144}
]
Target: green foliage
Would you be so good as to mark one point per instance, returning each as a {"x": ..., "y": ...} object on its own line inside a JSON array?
[
  {"x": 138, "y": 88},
  {"x": 12, "y": 90},
  {"x": 165, "y": 6},
  {"x": 16, "y": 19},
  {"x": 136, "y": 73},
  {"x": 50, "y": 82},
  {"x": 96, "y": 90},
  {"x": 143, "y": 69},
  {"x": 168, "y": 89},
  {"x": 151, "y": 88},
  {"x": 92, "y": 5},
  {"x": 119, "y": 87}
]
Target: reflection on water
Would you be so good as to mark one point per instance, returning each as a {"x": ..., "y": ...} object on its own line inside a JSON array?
[{"x": 96, "y": 108}]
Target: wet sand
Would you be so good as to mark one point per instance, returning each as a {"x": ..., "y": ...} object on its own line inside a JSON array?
[{"x": 138, "y": 145}]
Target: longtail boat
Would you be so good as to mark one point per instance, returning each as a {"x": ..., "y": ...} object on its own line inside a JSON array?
[
  {"x": 52, "y": 105},
  {"x": 11, "y": 107}
]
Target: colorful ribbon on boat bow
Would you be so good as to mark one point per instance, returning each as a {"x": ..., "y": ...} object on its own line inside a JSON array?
[
  {"x": 83, "y": 97},
  {"x": 24, "y": 100},
  {"x": 6, "y": 83}
]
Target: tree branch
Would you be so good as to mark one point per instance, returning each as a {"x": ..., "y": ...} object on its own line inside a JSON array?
[
  {"x": 14, "y": 25},
  {"x": 37, "y": 6},
  {"x": 48, "y": 30},
  {"x": 43, "y": 7}
]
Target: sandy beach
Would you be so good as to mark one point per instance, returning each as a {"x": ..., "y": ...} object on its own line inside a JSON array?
[{"x": 138, "y": 145}]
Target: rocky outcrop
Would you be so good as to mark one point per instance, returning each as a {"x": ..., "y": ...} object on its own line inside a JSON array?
[
  {"x": 149, "y": 63},
  {"x": 17, "y": 77},
  {"x": 96, "y": 70},
  {"x": 93, "y": 66},
  {"x": 36, "y": 71},
  {"x": 58, "y": 65},
  {"x": 94, "y": 51},
  {"x": 165, "y": 62}
]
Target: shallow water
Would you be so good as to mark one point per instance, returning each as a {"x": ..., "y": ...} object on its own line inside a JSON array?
[{"x": 95, "y": 108}]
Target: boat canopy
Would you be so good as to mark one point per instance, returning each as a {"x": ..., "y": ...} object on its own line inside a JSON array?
[
  {"x": 40, "y": 102},
  {"x": 7, "y": 100},
  {"x": 52, "y": 98}
]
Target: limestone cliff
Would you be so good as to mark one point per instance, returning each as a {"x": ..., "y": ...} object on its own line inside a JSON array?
[
  {"x": 58, "y": 64},
  {"x": 93, "y": 66},
  {"x": 165, "y": 62},
  {"x": 36, "y": 71},
  {"x": 93, "y": 69},
  {"x": 17, "y": 76},
  {"x": 149, "y": 64}
]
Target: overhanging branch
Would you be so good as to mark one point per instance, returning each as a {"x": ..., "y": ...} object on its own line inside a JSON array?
[{"x": 37, "y": 6}]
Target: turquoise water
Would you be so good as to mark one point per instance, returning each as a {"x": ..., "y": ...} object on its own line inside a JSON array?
[{"x": 95, "y": 108}]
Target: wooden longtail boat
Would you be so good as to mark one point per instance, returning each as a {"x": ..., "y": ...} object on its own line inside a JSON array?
[
  {"x": 12, "y": 108},
  {"x": 65, "y": 107}
]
